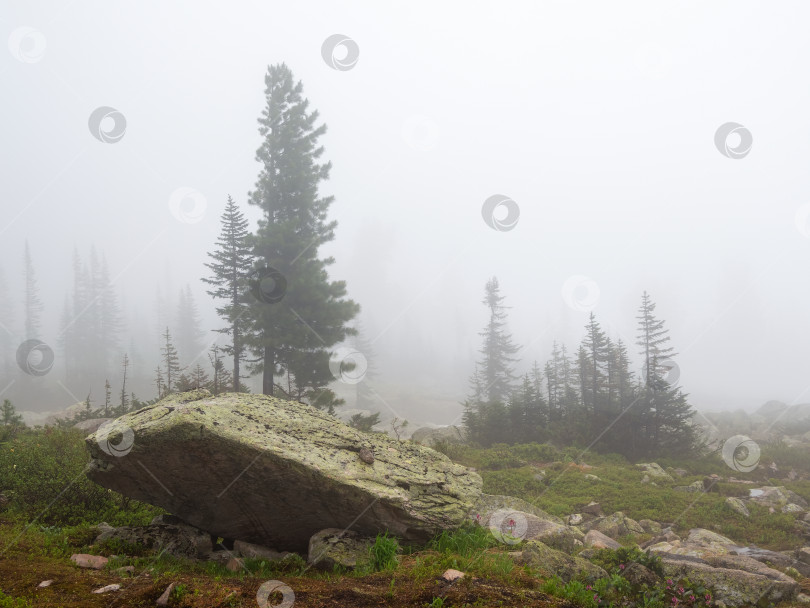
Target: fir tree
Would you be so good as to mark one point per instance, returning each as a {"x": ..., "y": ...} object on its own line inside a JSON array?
[
  {"x": 302, "y": 314},
  {"x": 231, "y": 264},
  {"x": 496, "y": 364},
  {"x": 9, "y": 415},
  {"x": 171, "y": 364},
  {"x": 124, "y": 398}
]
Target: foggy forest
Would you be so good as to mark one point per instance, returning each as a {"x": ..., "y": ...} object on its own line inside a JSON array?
[{"x": 373, "y": 304}]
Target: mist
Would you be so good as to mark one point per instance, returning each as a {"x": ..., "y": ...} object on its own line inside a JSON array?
[{"x": 598, "y": 121}]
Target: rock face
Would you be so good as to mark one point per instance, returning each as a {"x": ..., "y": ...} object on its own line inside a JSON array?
[{"x": 273, "y": 472}]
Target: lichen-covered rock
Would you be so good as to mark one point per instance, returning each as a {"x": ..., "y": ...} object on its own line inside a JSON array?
[
  {"x": 487, "y": 504},
  {"x": 650, "y": 527},
  {"x": 597, "y": 540},
  {"x": 654, "y": 470},
  {"x": 733, "y": 579},
  {"x": 638, "y": 575},
  {"x": 334, "y": 547},
  {"x": 777, "y": 496},
  {"x": 541, "y": 557},
  {"x": 430, "y": 436},
  {"x": 615, "y": 525},
  {"x": 274, "y": 472},
  {"x": 738, "y": 506}
]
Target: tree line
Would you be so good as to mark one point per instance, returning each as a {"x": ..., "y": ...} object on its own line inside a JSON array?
[{"x": 589, "y": 397}]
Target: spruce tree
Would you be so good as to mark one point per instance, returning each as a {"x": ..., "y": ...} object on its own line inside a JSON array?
[
  {"x": 496, "y": 364},
  {"x": 297, "y": 313},
  {"x": 171, "y": 364},
  {"x": 9, "y": 415},
  {"x": 231, "y": 264}
]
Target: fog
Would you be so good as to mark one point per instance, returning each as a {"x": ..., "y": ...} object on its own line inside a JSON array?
[{"x": 598, "y": 120}]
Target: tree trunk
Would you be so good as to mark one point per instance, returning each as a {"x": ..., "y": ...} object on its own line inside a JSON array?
[
  {"x": 267, "y": 371},
  {"x": 237, "y": 353}
]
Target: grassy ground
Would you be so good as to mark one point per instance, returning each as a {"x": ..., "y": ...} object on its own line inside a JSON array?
[{"x": 52, "y": 508}]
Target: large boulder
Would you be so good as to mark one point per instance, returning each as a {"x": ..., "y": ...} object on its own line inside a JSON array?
[
  {"x": 735, "y": 580},
  {"x": 541, "y": 557},
  {"x": 777, "y": 497},
  {"x": 180, "y": 540},
  {"x": 488, "y": 504},
  {"x": 274, "y": 472}
]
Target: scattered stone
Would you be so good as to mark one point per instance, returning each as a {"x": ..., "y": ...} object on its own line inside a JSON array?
[
  {"x": 47, "y": 583},
  {"x": 650, "y": 527},
  {"x": 488, "y": 504},
  {"x": 680, "y": 472},
  {"x": 553, "y": 562},
  {"x": 336, "y": 547},
  {"x": 281, "y": 471},
  {"x": 803, "y": 598},
  {"x": 591, "y": 477},
  {"x": 738, "y": 506},
  {"x": 597, "y": 540},
  {"x": 163, "y": 600},
  {"x": 539, "y": 476},
  {"x": 710, "y": 482},
  {"x": 792, "y": 508},
  {"x": 654, "y": 470},
  {"x": 366, "y": 455},
  {"x": 180, "y": 539},
  {"x": 234, "y": 564},
  {"x": 250, "y": 550},
  {"x": 803, "y": 555},
  {"x": 125, "y": 570},
  {"x": 777, "y": 496},
  {"x": 637, "y": 574},
  {"x": 107, "y": 588},
  {"x": 452, "y": 575},
  {"x": 84, "y": 560},
  {"x": 616, "y": 525},
  {"x": 696, "y": 486},
  {"x": 645, "y": 479},
  {"x": 575, "y": 519}
]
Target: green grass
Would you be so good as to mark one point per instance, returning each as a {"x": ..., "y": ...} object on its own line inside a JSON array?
[
  {"x": 382, "y": 555},
  {"x": 10, "y": 602}
]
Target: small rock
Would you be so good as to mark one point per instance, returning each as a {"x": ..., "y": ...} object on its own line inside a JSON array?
[
  {"x": 125, "y": 570},
  {"x": 803, "y": 598},
  {"x": 163, "y": 600},
  {"x": 575, "y": 519},
  {"x": 792, "y": 508},
  {"x": 84, "y": 560},
  {"x": 234, "y": 564},
  {"x": 680, "y": 472},
  {"x": 645, "y": 479},
  {"x": 107, "y": 588},
  {"x": 803, "y": 555},
  {"x": 738, "y": 506},
  {"x": 452, "y": 575},
  {"x": 637, "y": 574},
  {"x": 597, "y": 540},
  {"x": 47, "y": 583},
  {"x": 366, "y": 455},
  {"x": 591, "y": 477},
  {"x": 250, "y": 550},
  {"x": 650, "y": 526}
]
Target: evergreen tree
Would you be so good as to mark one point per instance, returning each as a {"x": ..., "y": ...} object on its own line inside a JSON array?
[
  {"x": 297, "y": 314},
  {"x": 9, "y": 415},
  {"x": 497, "y": 349},
  {"x": 171, "y": 364},
  {"x": 230, "y": 267},
  {"x": 189, "y": 327},
  {"x": 364, "y": 422},
  {"x": 32, "y": 305},
  {"x": 124, "y": 398}
]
